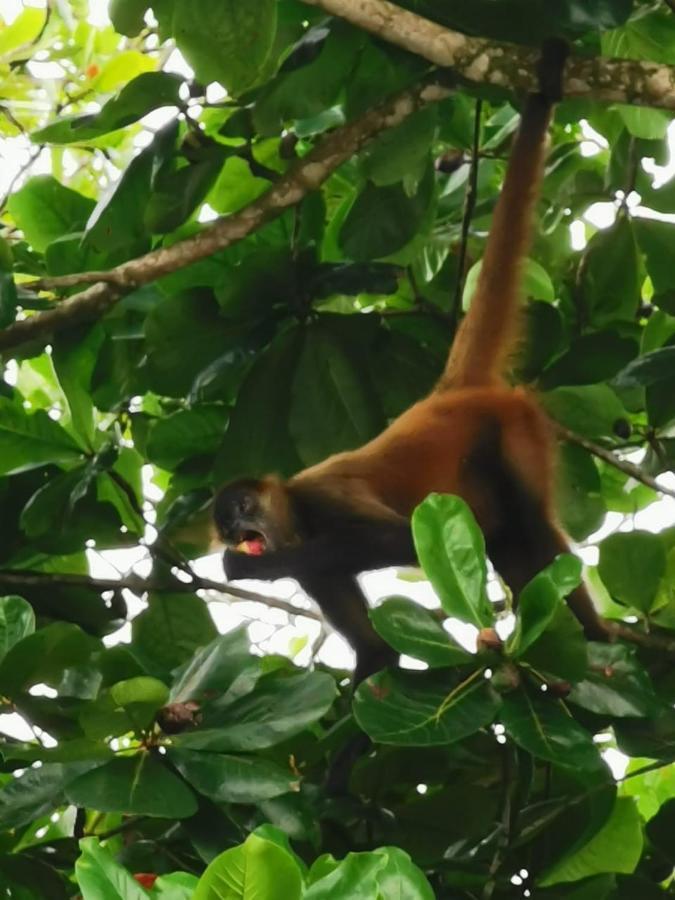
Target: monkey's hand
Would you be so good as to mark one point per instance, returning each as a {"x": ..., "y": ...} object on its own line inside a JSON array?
[{"x": 240, "y": 565}]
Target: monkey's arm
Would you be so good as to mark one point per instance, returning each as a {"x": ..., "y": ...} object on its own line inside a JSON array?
[{"x": 346, "y": 550}]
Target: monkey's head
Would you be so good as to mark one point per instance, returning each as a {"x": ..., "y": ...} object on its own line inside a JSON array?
[{"x": 255, "y": 515}]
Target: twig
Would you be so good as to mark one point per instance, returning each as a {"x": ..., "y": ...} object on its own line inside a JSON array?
[
  {"x": 305, "y": 176},
  {"x": 30, "y": 579},
  {"x": 607, "y": 456},
  {"x": 506, "y": 65},
  {"x": 21, "y": 171},
  {"x": 469, "y": 206}
]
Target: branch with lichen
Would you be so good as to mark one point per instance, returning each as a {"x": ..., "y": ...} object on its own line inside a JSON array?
[
  {"x": 307, "y": 175},
  {"x": 505, "y": 65}
]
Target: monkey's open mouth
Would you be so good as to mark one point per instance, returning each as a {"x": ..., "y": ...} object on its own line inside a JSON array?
[{"x": 251, "y": 542}]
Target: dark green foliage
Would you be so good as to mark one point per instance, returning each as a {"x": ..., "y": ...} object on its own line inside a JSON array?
[{"x": 153, "y": 738}]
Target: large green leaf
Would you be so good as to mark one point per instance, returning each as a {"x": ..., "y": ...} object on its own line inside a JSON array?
[
  {"x": 542, "y": 726},
  {"x": 227, "y": 42},
  {"x": 30, "y": 439},
  {"x": 45, "y": 210},
  {"x": 258, "y": 439},
  {"x": 411, "y": 629},
  {"x": 649, "y": 369},
  {"x": 233, "y": 779},
  {"x": 615, "y": 684},
  {"x": 279, "y": 707},
  {"x": 333, "y": 406},
  {"x": 43, "y": 657},
  {"x": 451, "y": 549},
  {"x": 623, "y": 830},
  {"x": 127, "y": 16},
  {"x": 148, "y": 91},
  {"x": 631, "y": 566},
  {"x": 100, "y": 878},
  {"x": 17, "y": 621},
  {"x": 258, "y": 868},
  {"x": 36, "y": 792},
  {"x": 166, "y": 634},
  {"x": 225, "y": 666},
  {"x": 591, "y": 410},
  {"x": 611, "y": 276},
  {"x": 561, "y": 650},
  {"x": 383, "y": 220},
  {"x": 186, "y": 433},
  {"x": 539, "y": 601},
  {"x": 136, "y": 785},
  {"x": 424, "y": 709},
  {"x": 127, "y": 706}
]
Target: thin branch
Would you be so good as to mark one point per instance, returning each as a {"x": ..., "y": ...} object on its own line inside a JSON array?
[
  {"x": 507, "y": 65},
  {"x": 19, "y": 579},
  {"x": 305, "y": 176},
  {"x": 469, "y": 205},
  {"x": 607, "y": 456}
]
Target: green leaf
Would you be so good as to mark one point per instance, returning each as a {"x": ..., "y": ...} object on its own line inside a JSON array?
[
  {"x": 44, "y": 657},
  {"x": 8, "y": 299},
  {"x": 188, "y": 432},
  {"x": 223, "y": 666},
  {"x": 178, "y": 191},
  {"x": 147, "y": 92},
  {"x": 228, "y": 42},
  {"x": 623, "y": 830},
  {"x": 383, "y": 220},
  {"x": 258, "y": 439},
  {"x": 127, "y": 706},
  {"x": 561, "y": 650},
  {"x": 539, "y": 601},
  {"x": 402, "y": 151},
  {"x": 333, "y": 406},
  {"x": 128, "y": 16},
  {"x": 356, "y": 877},
  {"x": 631, "y": 566},
  {"x": 660, "y": 829},
  {"x": 176, "y": 886},
  {"x": 650, "y": 124},
  {"x": 411, "y": 629},
  {"x": 32, "y": 795},
  {"x": 17, "y": 621},
  {"x": 611, "y": 278},
  {"x": 258, "y": 868},
  {"x": 424, "y": 709},
  {"x": 74, "y": 355},
  {"x": 591, "y": 410},
  {"x": 166, "y": 634},
  {"x": 536, "y": 285},
  {"x": 134, "y": 785},
  {"x": 579, "y": 492},
  {"x": 401, "y": 877},
  {"x": 279, "y": 707},
  {"x": 233, "y": 779},
  {"x": 590, "y": 358},
  {"x": 22, "y": 32},
  {"x": 29, "y": 440},
  {"x": 451, "y": 550},
  {"x": 648, "y": 370},
  {"x": 615, "y": 684},
  {"x": 656, "y": 242},
  {"x": 541, "y": 725},
  {"x": 45, "y": 210},
  {"x": 101, "y": 878}
]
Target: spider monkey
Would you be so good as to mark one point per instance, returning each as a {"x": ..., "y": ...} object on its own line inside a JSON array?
[{"x": 474, "y": 436}]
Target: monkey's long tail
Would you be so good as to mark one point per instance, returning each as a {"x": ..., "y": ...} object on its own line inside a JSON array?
[{"x": 489, "y": 331}]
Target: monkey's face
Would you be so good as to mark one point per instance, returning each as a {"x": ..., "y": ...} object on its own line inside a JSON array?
[{"x": 253, "y": 516}]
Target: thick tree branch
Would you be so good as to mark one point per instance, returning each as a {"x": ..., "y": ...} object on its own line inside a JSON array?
[
  {"x": 507, "y": 65},
  {"x": 607, "y": 456},
  {"x": 305, "y": 176},
  {"x": 18, "y": 579}
]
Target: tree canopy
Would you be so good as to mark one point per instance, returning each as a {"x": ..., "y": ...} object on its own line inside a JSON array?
[{"x": 237, "y": 237}]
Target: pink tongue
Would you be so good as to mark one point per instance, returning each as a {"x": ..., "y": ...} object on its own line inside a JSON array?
[{"x": 255, "y": 547}]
